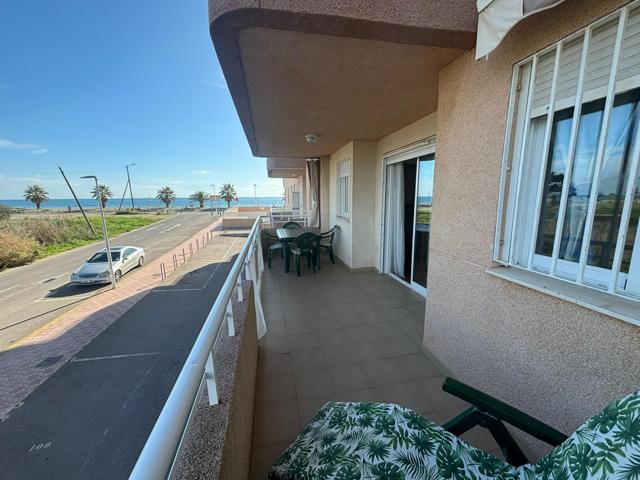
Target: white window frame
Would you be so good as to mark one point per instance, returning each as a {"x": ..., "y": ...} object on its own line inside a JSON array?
[
  {"x": 514, "y": 162},
  {"x": 343, "y": 189}
]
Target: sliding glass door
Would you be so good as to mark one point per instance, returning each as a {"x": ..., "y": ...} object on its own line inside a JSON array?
[
  {"x": 407, "y": 219},
  {"x": 422, "y": 222}
]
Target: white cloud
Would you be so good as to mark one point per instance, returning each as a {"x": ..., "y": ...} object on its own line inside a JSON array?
[
  {"x": 203, "y": 172},
  {"x": 222, "y": 85},
  {"x": 25, "y": 147}
]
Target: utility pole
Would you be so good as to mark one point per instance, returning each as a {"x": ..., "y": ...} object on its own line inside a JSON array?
[
  {"x": 215, "y": 199},
  {"x": 104, "y": 232},
  {"x": 255, "y": 193},
  {"x": 77, "y": 201},
  {"x": 129, "y": 183}
]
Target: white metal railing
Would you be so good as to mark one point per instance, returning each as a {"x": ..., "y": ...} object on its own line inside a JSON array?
[
  {"x": 288, "y": 214},
  {"x": 164, "y": 444}
]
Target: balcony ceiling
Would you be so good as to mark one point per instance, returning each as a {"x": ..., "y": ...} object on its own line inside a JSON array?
[
  {"x": 286, "y": 167},
  {"x": 341, "y": 75}
]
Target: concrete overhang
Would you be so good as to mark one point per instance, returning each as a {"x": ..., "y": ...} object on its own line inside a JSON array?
[
  {"x": 286, "y": 167},
  {"x": 341, "y": 70}
]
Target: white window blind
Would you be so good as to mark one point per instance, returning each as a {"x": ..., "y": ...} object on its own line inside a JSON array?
[
  {"x": 570, "y": 181},
  {"x": 343, "y": 188}
]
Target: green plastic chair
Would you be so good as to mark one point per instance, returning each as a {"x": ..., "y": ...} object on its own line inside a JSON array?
[
  {"x": 326, "y": 243},
  {"x": 292, "y": 225},
  {"x": 273, "y": 247},
  {"x": 305, "y": 246},
  {"x": 387, "y": 441}
]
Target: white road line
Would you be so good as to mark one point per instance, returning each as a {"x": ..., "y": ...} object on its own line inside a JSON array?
[
  {"x": 10, "y": 288},
  {"x": 48, "y": 279},
  {"x": 171, "y": 228},
  {"x": 13, "y": 294},
  {"x": 112, "y": 357},
  {"x": 152, "y": 228}
]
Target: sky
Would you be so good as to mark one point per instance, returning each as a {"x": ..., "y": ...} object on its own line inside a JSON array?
[{"x": 91, "y": 86}]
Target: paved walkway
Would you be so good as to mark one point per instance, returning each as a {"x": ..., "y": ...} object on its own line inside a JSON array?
[{"x": 35, "y": 358}]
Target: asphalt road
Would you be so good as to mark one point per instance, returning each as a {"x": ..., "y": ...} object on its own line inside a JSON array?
[
  {"x": 32, "y": 295},
  {"x": 91, "y": 418}
]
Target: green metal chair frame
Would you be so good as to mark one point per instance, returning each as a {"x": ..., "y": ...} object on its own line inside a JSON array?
[
  {"x": 273, "y": 247},
  {"x": 306, "y": 245},
  {"x": 490, "y": 413},
  {"x": 292, "y": 225},
  {"x": 330, "y": 234}
]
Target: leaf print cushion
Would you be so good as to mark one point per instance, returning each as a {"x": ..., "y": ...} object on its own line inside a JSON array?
[{"x": 378, "y": 441}]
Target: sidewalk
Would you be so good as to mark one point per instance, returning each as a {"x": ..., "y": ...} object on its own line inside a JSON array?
[{"x": 35, "y": 358}]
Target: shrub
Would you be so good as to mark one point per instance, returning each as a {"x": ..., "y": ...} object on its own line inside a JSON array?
[
  {"x": 5, "y": 213},
  {"x": 16, "y": 250}
]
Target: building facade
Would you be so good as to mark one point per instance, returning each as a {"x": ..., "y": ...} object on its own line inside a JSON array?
[{"x": 449, "y": 173}]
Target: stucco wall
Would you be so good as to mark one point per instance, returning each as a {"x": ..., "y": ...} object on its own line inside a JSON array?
[
  {"x": 342, "y": 241},
  {"x": 423, "y": 128},
  {"x": 557, "y": 361}
]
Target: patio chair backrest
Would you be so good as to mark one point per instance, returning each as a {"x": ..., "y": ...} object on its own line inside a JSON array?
[
  {"x": 306, "y": 241},
  {"x": 270, "y": 236},
  {"x": 292, "y": 225},
  {"x": 329, "y": 233}
]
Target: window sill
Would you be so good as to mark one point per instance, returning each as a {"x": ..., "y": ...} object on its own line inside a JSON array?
[{"x": 607, "y": 304}]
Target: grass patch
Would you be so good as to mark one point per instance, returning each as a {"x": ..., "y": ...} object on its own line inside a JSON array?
[{"x": 48, "y": 236}]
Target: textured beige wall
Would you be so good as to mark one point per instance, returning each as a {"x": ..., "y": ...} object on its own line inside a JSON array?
[
  {"x": 363, "y": 219},
  {"x": 325, "y": 171},
  {"x": 423, "y": 128},
  {"x": 557, "y": 361},
  {"x": 236, "y": 455},
  {"x": 342, "y": 239}
]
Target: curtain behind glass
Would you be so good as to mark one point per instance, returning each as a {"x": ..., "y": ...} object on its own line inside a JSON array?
[
  {"x": 394, "y": 220},
  {"x": 313, "y": 174}
]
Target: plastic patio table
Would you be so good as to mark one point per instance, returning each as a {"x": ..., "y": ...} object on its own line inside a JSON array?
[{"x": 287, "y": 235}]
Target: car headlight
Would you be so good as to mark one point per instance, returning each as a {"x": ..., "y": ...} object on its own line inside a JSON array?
[
  {"x": 74, "y": 275},
  {"x": 104, "y": 274}
]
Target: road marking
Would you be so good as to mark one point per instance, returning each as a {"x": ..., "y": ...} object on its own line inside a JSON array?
[
  {"x": 13, "y": 294},
  {"x": 171, "y": 228},
  {"x": 49, "y": 279},
  {"x": 111, "y": 357},
  {"x": 151, "y": 228},
  {"x": 10, "y": 288},
  {"x": 40, "y": 446}
]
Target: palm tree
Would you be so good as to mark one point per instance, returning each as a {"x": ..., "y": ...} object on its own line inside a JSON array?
[
  {"x": 200, "y": 197},
  {"x": 36, "y": 194},
  {"x": 228, "y": 194},
  {"x": 166, "y": 195},
  {"x": 103, "y": 193}
]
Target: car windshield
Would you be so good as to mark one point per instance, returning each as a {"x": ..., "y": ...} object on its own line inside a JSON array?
[{"x": 101, "y": 257}]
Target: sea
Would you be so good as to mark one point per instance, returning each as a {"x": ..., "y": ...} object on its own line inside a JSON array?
[{"x": 90, "y": 203}]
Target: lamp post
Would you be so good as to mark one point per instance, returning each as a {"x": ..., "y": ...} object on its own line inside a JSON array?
[
  {"x": 215, "y": 199},
  {"x": 129, "y": 182},
  {"x": 104, "y": 231},
  {"x": 255, "y": 193}
]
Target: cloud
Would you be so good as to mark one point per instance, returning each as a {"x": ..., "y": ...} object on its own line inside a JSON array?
[
  {"x": 222, "y": 85},
  {"x": 203, "y": 172},
  {"x": 25, "y": 147}
]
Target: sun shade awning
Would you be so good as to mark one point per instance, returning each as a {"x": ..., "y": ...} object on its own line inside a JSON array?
[{"x": 497, "y": 17}]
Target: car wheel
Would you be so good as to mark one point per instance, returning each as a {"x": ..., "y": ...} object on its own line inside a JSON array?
[
  {"x": 141, "y": 261},
  {"x": 118, "y": 275}
]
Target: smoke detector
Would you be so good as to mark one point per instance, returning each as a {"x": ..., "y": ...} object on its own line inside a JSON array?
[{"x": 311, "y": 138}]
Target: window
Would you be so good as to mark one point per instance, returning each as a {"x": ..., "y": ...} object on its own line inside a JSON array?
[
  {"x": 343, "y": 187},
  {"x": 570, "y": 196}
]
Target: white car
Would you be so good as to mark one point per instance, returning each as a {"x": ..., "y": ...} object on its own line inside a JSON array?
[{"x": 96, "y": 269}]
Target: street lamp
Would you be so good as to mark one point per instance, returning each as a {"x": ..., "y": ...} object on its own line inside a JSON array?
[
  {"x": 129, "y": 182},
  {"x": 215, "y": 199},
  {"x": 104, "y": 231},
  {"x": 255, "y": 193}
]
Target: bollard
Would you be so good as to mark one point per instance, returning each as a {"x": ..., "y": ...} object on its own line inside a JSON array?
[
  {"x": 203, "y": 240},
  {"x": 190, "y": 250},
  {"x": 184, "y": 256},
  {"x": 175, "y": 262},
  {"x": 163, "y": 272},
  {"x": 197, "y": 245}
]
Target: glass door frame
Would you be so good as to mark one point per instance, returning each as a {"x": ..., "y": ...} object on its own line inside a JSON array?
[{"x": 421, "y": 148}]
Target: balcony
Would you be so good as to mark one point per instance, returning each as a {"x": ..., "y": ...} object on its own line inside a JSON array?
[{"x": 341, "y": 336}]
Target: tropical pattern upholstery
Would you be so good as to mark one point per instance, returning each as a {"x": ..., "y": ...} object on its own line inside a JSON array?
[{"x": 376, "y": 441}]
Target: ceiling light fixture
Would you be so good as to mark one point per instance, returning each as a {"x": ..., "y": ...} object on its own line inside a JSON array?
[{"x": 311, "y": 138}]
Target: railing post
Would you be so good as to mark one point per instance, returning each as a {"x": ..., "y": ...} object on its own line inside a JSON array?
[
  {"x": 210, "y": 376},
  {"x": 239, "y": 287},
  {"x": 229, "y": 317}
]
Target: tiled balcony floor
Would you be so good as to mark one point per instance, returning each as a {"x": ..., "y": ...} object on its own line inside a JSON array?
[{"x": 341, "y": 336}]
